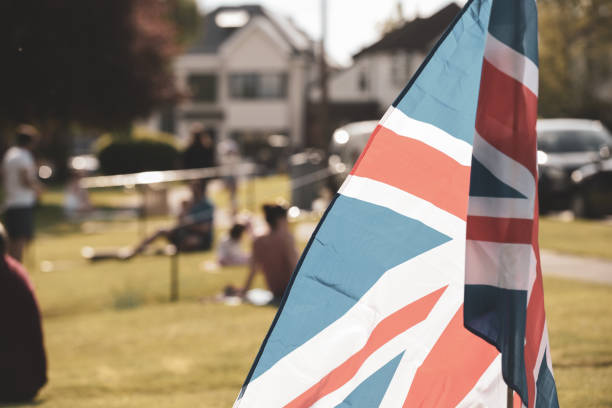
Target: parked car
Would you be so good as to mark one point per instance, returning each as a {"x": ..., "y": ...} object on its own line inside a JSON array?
[
  {"x": 572, "y": 162},
  {"x": 572, "y": 166},
  {"x": 345, "y": 147}
]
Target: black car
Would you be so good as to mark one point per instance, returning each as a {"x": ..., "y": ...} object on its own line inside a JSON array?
[{"x": 574, "y": 168}]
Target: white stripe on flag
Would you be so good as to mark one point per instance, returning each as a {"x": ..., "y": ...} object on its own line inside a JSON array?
[
  {"x": 499, "y": 264},
  {"x": 544, "y": 347},
  {"x": 489, "y": 391},
  {"x": 500, "y": 207},
  {"x": 416, "y": 343},
  {"x": 398, "y": 122},
  {"x": 512, "y": 63},
  {"x": 404, "y": 203},
  {"x": 533, "y": 274},
  {"x": 302, "y": 368}
]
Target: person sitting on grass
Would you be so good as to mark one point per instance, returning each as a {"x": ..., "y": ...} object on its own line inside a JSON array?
[
  {"x": 273, "y": 253},
  {"x": 229, "y": 252},
  {"x": 23, "y": 361},
  {"x": 194, "y": 231}
]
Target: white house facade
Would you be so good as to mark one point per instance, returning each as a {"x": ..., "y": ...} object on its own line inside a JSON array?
[
  {"x": 381, "y": 70},
  {"x": 246, "y": 78}
]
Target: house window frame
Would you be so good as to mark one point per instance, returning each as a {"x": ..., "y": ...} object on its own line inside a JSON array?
[
  {"x": 196, "y": 96},
  {"x": 253, "y": 86}
]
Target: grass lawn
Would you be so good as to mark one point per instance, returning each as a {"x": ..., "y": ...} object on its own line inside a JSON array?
[
  {"x": 114, "y": 340},
  {"x": 578, "y": 237}
]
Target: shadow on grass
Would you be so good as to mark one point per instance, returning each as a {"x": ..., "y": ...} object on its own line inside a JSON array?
[
  {"x": 33, "y": 403},
  {"x": 127, "y": 298},
  {"x": 580, "y": 364},
  {"x": 50, "y": 218}
]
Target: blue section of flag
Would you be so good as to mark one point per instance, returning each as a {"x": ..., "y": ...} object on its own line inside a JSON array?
[
  {"x": 515, "y": 23},
  {"x": 446, "y": 93},
  {"x": 371, "y": 392},
  {"x": 357, "y": 242},
  {"x": 546, "y": 388},
  {"x": 484, "y": 184},
  {"x": 498, "y": 316}
]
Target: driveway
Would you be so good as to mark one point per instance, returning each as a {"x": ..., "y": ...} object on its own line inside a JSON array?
[{"x": 575, "y": 267}]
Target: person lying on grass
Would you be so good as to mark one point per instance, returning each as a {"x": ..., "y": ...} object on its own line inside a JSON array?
[
  {"x": 273, "y": 253},
  {"x": 193, "y": 231}
]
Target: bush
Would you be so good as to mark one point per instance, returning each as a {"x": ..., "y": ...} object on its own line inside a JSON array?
[{"x": 143, "y": 151}]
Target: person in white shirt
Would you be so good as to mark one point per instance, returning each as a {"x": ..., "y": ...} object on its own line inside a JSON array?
[
  {"x": 21, "y": 190},
  {"x": 229, "y": 252}
]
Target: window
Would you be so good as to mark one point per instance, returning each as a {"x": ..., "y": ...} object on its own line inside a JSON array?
[
  {"x": 167, "y": 122},
  {"x": 258, "y": 86},
  {"x": 567, "y": 141},
  {"x": 203, "y": 87},
  {"x": 399, "y": 69},
  {"x": 363, "y": 82}
]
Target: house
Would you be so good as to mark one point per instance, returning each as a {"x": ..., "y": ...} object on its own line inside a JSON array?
[
  {"x": 381, "y": 70},
  {"x": 245, "y": 77}
]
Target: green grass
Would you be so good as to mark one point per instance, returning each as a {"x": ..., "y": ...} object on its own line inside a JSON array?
[
  {"x": 114, "y": 340},
  {"x": 579, "y": 237},
  {"x": 580, "y": 327}
]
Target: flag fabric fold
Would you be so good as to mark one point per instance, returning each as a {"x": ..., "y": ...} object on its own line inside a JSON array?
[
  {"x": 374, "y": 314},
  {"x": 503, "y": 293}
]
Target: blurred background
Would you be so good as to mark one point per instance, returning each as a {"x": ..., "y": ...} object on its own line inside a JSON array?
[{"x": 287, "y": 94}]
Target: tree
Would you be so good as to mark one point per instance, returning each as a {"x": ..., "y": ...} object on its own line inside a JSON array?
[
  {"x": 394, "y": 21},
  {"x": 575, "y": 58},
  {"x": 186, "y": 19},
  {"x": 94, "y": 63}
]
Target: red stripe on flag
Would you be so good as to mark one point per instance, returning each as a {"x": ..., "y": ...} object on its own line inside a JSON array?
[
  {"x": 385, "y": 331},
  {"x": 536, "y": 318},
  {"x": 365, "y": 149},
  {"x": 452, "y": 368},
  {"x": 507, "y": 115},
  {"x": 534, "y": 330},
  {"x": 493, "y": 229},
  {"x": 411, "y": 165}
]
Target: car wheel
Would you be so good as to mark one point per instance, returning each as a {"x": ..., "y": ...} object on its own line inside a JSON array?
[{"x": 580, "y": 206}]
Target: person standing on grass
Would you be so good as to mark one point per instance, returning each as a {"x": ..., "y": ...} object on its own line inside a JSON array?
[
  {"x": 21, "y": 190},
  {"x": 201, "y": 151},
  {"x": 23, "y": 361}
]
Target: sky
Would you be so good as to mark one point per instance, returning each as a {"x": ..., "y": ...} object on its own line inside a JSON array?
[{"x": 352, "y": 24}]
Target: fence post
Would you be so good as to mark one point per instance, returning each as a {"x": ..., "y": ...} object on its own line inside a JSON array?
[{"x": 174, "y": 276}]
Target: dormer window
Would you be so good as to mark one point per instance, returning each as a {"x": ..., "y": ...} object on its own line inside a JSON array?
[{"x": 232, "y": 18}]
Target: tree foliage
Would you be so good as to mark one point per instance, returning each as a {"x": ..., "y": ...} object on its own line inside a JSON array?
[
  {"x": 576, "y": 58},
  {"x": 184, "y": 15},
  {"x": 394, "y": 21},
  {"x": 93, "y": 62}
]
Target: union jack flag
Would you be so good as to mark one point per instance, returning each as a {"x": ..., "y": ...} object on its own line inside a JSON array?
[
  {"x": 504, "y": 298},
  {"x": 374, "y": 314}
]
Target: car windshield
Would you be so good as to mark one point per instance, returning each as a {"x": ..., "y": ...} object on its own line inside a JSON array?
[{"x": 565, "y": 141}]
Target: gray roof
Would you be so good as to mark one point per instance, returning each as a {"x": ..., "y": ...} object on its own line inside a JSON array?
[
  {"x": 416, "y": 34},
  {"x": 212, "y": 36}
]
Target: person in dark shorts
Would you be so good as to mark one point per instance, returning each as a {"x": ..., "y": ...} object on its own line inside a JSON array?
[
  {"x": 23, "y": 362},
  {"x": 21, "y": 190},
  {"x": 201, "y": 151},
  {"x": 194, "y": 231}
]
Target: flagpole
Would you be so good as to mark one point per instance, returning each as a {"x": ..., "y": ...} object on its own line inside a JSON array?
[{"x": 510, "y": 398}]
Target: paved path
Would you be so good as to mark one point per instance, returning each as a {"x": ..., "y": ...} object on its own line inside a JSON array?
[{"x": 574, "y": 267}]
